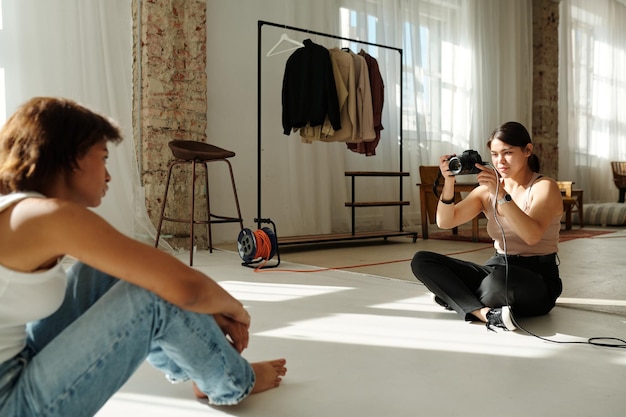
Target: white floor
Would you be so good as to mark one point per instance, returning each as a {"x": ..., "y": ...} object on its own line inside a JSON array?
[{"x": 365, "y": 345}]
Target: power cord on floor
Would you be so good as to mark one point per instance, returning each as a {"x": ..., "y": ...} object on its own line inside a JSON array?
[{"x": 608, "y": 342}]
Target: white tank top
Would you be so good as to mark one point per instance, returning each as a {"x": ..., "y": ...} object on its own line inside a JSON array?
[
  {"x": 25, "y": 296},
  {"x": 549, "y": 242}
]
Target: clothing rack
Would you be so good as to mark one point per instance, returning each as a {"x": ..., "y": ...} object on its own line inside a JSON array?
[{"x": 328, "y": 237}]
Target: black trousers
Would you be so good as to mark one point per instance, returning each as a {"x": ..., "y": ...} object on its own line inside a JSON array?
[{"x": 530, "y": 284}]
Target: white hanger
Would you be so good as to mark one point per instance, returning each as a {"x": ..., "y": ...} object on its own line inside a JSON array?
[{"x": 283, "y": 38}]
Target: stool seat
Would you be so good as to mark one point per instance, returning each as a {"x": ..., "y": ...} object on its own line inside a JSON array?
[{"x": 191, "y": 150}]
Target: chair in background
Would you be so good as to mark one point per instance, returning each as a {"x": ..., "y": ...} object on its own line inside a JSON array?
[
  {"x": 619, "y": 176},
  {"x": 572, "y": 203},
  {"x": 429, "y": 200},
  {"x": 193, "y": 152}
]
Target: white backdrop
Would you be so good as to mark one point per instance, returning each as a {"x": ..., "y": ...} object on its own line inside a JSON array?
[{"x": 81, "y": 50}]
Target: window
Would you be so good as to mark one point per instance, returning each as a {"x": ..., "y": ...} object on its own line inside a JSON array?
[
  {"x": 435, "y": 67},
  {"x": 598, "y": 81}
]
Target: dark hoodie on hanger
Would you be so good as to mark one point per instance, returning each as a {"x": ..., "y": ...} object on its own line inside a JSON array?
[{"x": 309, "y": 93}]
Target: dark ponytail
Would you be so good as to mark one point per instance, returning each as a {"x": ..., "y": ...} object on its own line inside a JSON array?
[{"x": 533, "y": 163}]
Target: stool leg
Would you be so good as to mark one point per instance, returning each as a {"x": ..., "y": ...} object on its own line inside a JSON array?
[
  {"x": 581, "y": 219},
  {"x": 193, "y": 200},
  {"x": 167, "y": 186},
  {"x": 208, "y": 207}
]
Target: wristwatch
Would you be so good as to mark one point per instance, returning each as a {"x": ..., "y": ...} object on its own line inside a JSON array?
[{"x": 507, "y": 198}]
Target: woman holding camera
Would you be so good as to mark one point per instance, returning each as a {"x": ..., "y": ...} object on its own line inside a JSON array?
[{"x": 523, "y": 210}]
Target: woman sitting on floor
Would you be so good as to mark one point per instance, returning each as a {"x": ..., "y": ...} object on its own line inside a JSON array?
[
  {"x": 69, "y": 341},
  {"x": 523, "y": 210}
]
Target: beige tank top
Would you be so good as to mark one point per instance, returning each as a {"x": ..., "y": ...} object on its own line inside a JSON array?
[{"x": 549, "y": 242}]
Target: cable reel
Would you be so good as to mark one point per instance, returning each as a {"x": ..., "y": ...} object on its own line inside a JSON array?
[{"x": 259, "y": 246}]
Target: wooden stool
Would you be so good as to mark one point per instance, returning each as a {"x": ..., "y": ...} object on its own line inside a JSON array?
[{"x": 193, "y": 152}]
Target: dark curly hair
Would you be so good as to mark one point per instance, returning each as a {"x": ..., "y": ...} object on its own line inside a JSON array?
[{"x": 47, "y": 136}]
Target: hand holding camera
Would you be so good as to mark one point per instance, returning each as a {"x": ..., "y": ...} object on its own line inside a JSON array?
[{"x": 466, "y": 163}]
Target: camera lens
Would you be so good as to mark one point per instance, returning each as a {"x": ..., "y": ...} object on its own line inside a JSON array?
[{"x": 455, "y": 165}]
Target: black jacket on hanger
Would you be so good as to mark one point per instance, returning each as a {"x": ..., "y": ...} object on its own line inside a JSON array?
[{"x": 309, "y": 92}]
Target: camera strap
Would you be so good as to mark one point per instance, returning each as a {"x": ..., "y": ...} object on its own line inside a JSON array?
[{"x": 436, "y": 184}]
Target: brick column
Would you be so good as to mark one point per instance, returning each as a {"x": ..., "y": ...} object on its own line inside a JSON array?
[
  {"x": 546, "y": 84},
  {"x": 169, "y": 100}
]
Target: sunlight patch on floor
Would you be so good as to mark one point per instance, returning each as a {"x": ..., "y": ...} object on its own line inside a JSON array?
[
  {"x": 255, "y": 291},
  {"x": 128, "y": 404},
  {"x": 421, "y": 303},
  {"x": 620, "y": 360},
  {"x": 591, "y": 301},
  {"x": 410, "y": 333}
]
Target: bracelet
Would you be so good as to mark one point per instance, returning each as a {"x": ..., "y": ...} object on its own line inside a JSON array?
[{"x": 451, "y": 201}]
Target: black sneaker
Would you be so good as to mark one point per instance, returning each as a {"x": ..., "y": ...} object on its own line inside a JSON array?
[
  {"x": 440, "y": 302},
  {"x": 500, "y": 317}
]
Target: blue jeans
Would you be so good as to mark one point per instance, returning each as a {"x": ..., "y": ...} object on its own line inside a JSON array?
[{"x": 80, "y": 356}]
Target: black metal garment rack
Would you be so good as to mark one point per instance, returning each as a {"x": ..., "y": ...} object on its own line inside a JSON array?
[{"x": 400, "y": 175}]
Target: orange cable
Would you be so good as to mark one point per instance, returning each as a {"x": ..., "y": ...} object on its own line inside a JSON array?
[{"x": 263, "y": 247}]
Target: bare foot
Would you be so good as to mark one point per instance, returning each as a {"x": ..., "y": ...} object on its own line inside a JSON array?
[{"x": 268, "y": 375}]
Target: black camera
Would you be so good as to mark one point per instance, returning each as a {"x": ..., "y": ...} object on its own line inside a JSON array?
[{"x": 466, "y": 163}]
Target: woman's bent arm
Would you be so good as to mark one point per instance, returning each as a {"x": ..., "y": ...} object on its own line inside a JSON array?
[{"x": 65, "y": 228}]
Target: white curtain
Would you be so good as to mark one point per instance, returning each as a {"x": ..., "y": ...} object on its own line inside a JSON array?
[
  {"x": 80, "y": 50},
  {"x": 466, "y": 68},
  {"x": 592, "y": 94}
]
